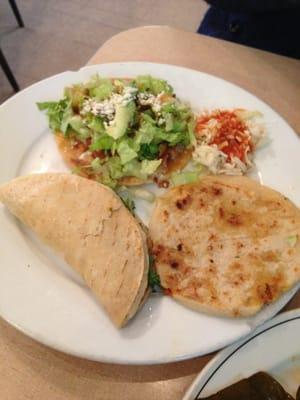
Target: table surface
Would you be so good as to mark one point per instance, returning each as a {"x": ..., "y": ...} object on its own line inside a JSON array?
[{"x": 29, "y": 370}]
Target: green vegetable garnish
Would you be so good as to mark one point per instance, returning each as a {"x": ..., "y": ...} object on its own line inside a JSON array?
[
  {"x": 148, "y": 151},
  {"x": 133, "y": 123},
  {"x": 153, "y": 277},
  {"x": 55, "y": 112},
  {"x": 184, "y": 177},
  {"x": 104, "y": 142},
  {"x": 127, "y": 200},
  {"x": 147, "y": 83},
  {"x": 99, "y": 88},
  {"x": 76, "y": 94},
  {"x": 126, "y": 152}
]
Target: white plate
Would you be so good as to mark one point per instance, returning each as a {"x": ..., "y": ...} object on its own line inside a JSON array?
[
  {"x": 273, "y": 348},
  {"x": 41, "y": 296}
]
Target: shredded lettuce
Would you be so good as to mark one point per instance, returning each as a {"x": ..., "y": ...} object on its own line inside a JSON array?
[
  {"x": 104, "y": 142},
  {"x": 96, "y": 165},
  {"x": 133, "y": 168},
  {"x": 66, "y": 118},
  {"x": 76, "y": 94},
  {"x": 184, "y": 177},
  {"x": 148, "y": 167},
  {"x": 109, "y": 115},
  {"x": 153, "y": 277},
  {"x": 140, "y": 169},
  {"x": 114, "y": 166},
  {"x": 149, "y": 151},
  {"x": 99, "y": 88},
  {"x": 147, "y": 83},
  {"x": 109, "y": 170},
  {"x": 126, "y": 152},
  {"x": 96, "y": 124},
  {"x": 191, "y": 130},
  {"x": 146, "y": 132},
  {"x": 76, "y": 123},
  {"x": 55, "y": 112}
]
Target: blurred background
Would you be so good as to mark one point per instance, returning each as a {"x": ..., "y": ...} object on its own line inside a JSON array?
[{"x": 60, "y": 35}]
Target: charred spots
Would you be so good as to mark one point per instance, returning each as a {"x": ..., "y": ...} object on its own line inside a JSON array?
[
  {"x": 216, "y": 191},
  {"x": 179, "y": 247},
  {"x": 184, "y": 202},
  {"x": 174, "y": 264},
  {"x": 234, "y": 220}
]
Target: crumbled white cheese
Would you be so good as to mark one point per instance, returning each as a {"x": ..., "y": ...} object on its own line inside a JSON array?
[
  {"x": 104, "y": 108},
  {"x": 148, "y": 99},
  {"x": 129, "y": 94},
  {"x": 107, "y": 107},
  {"x": 87, "y": 106}
]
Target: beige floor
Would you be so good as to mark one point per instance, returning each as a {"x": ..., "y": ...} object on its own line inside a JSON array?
[{"x": 63, "y": 34}]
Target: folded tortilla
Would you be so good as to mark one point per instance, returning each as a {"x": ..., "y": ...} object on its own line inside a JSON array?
[{"x": 86, "y": 223}]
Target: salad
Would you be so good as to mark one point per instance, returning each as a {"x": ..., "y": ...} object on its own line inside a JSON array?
[
  {"x": 122, "y": 131},
  {"x": 226, "y": 140}
]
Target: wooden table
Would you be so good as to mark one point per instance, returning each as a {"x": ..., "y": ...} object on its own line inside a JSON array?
[{"x": 32, "y": 371}]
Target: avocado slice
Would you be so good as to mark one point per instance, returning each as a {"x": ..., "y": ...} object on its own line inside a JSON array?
[{"x": 124, "y": 115}]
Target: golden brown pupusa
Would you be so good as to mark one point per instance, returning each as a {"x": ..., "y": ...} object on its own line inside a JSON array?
[{"x": 226, "y": 245}]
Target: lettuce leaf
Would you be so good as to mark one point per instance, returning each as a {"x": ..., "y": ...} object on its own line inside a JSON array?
[
  {"x": 148, "y": 151},
  {"x": 103, "y": 142},
  {"x": 76, "y": 94},
  {"x": 184, "y": 177},
  {"x": 95, "y": 123},
  {"x": 148, "y": 167},
  {"x": 141, "y": 169},
  {"x": 146, "y": 83},
  {"x": 55, "y": 112},
  {"x": 99, "y": 88},
  {"x": 126, "y": 152},
  {"x": 76, "y": 123}
]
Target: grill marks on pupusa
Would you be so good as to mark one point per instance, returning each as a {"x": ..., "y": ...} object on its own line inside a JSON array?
[{"x": 221, "y": 245}]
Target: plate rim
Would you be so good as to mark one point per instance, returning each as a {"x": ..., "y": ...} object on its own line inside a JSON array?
[
  {"x": 154, "y": 360},
  {"x": 220, "y": 358}
]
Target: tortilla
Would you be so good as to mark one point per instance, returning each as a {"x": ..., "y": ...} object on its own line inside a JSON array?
[
  {"x": 88, "y": 224},
  {"x": 226, "y": 245}
]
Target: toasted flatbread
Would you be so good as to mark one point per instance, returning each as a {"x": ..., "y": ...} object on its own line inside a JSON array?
[
  {"x": 226, "y": 245},
  {"x": 90, "y": 227}
]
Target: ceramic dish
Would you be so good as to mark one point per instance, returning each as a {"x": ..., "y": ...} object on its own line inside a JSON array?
[
  {"x": 273, "y": 348},
  {"x": 44, "y": 298}
]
